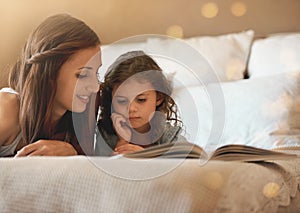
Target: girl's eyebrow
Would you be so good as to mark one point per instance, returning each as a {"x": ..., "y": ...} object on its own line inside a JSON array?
[
  {"x": 144, "y": 93},
  {"x": 120, "y": 96},
  {"x": 88, "y": 68}
]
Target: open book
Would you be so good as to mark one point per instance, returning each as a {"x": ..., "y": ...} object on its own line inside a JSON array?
[{"x": 232, "y": 152}]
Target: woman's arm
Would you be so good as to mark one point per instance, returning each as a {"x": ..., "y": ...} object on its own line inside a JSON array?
[
  {"x": 10, "y": 128},
  {"x": 47, "y": 148},
  {"x": 9, "y": 118}
]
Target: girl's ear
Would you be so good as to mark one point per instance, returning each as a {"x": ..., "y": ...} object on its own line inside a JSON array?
[{"x": 159, "y": 99}]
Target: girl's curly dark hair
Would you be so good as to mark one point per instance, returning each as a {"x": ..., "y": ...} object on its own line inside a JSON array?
[{"x": 142, "y": 68}]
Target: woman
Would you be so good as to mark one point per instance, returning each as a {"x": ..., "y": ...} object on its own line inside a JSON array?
[{"x": 55, "y": 77}]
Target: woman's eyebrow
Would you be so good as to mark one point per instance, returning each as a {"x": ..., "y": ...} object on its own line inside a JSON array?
[
  {"x": 119, "y": 96},
  {"x": 89, "y": 68}
]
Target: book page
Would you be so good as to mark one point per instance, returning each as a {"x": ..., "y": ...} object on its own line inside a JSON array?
[
  {"x": 170, "y": 150},
  {"x": 233, "y": 152},
  {"x": 238, "y": 152}
]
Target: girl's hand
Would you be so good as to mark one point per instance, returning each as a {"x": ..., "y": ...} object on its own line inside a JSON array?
[
  {"x": 121, "y": 127},
  {"x": 127, "y": 148},
  {"x": 47, "y": 148}
]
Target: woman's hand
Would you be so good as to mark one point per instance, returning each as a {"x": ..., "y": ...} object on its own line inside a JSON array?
[
  {"x": 47, "y": 148},
  {"x": 127, "y": 148},
  {"x": 121, "y": 127}
]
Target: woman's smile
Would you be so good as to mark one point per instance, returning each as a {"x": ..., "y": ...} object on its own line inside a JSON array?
[{"x": 83, "y": 98}]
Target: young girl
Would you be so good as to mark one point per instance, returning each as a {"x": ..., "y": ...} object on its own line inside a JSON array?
[
  {"x": 136, "y": 110},
  {"x": 51, "y": 86}
]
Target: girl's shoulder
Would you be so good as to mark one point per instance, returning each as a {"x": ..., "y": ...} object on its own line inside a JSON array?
[
  {"x": 105, "y": 143},
  {"x": 171, "y": 134}
]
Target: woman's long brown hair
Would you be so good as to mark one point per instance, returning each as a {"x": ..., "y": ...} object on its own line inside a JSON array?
[{"x": 34, "y": 76}]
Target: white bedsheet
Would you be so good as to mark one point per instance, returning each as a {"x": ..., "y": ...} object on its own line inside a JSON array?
[{"x": 81, "y": 184}]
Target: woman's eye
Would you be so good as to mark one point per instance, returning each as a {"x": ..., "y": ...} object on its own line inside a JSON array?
[
  {"x": 81, "y": 75},
  {"x": 122, "y": 102}
]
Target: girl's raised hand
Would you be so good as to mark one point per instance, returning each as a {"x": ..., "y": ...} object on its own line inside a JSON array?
[{"x": 121, "y": 127}]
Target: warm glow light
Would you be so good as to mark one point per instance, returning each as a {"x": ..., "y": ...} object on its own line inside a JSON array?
[
  {"x": 270, "y": 108},
  {"x": 238, "y": 9},
  {"x": 271, "y": 190},
  {"x": 175, "y": 31},
  {"x": 213, "y": 180},
  {"x": 232, "y": 68},
  {"x": 296, "y": 107},
  {"x": 210, "y": 10}
]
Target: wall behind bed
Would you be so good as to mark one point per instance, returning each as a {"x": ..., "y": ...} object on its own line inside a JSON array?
[{"x": 116, "y": 19}]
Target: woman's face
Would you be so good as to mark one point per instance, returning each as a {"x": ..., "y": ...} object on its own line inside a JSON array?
[
  {"x": 77, "y": 81},
  {"x": 137, "y": 102}
]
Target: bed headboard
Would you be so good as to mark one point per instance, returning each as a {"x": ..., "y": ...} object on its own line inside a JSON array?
[{"x": 117, "y": 19}]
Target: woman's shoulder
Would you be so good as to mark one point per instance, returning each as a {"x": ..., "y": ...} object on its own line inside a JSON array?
[
  {"x": 8, "y": 90},
  {"x": 9, "y": 100},
  {"x": 9, "y": 115}
]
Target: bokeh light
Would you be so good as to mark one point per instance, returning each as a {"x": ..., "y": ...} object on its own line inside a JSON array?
[
  {"x": 271, "y": 190},
  {"x": 213, "y": 180},
  {"x": 175, "y": 31},
  {"x": 210, "y": 10},
  {"x": 238, "y": 9}
]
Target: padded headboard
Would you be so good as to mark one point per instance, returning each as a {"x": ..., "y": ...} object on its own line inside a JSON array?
[{"x": 117, "y": 19}]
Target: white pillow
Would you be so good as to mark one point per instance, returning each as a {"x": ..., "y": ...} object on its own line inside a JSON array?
[
  {"x": 112, "y": 51},
  {"x": 226, "y": 54},
  {"x": 195, "y": 110},
  {"x": 275, "y": 54},
  {"x": 262, "y": 112}
]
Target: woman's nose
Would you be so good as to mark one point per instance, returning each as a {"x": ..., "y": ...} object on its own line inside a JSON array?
[{"x": 93, "y": 84}]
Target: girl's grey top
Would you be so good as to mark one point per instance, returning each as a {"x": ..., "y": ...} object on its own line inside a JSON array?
[{"x": 105, "y": 143}]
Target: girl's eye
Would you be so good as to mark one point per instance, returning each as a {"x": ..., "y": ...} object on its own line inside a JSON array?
[{"x": 141, "y": 100}]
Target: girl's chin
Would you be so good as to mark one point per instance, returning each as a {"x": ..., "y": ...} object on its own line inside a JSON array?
[{"x": 141, "y": 128}]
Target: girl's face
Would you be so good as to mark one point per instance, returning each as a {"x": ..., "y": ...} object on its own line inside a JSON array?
[
  {"x": 137, "y": 102},
  {"x": 77, "y": 81}
]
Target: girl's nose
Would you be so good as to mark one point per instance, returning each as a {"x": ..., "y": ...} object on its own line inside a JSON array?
[{"x": 132, "y": 107}]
